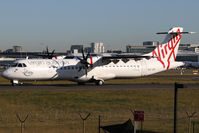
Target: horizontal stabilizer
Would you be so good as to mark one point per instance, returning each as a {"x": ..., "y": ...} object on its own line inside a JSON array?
[{"x": 175, "y": 32}]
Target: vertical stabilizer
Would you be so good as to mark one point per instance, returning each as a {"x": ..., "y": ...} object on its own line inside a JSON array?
[{"x": 167, "y": 51}]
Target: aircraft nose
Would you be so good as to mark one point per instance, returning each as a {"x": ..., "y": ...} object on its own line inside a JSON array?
[{"x": 4, "y": 74}]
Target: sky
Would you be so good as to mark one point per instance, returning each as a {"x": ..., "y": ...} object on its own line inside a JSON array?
[{"x": 58, "y": 24}]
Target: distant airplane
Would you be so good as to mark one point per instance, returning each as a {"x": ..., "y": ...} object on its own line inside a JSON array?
[
  {"x": 189, "y": 64},
  {"x": 100, "y": 68}
]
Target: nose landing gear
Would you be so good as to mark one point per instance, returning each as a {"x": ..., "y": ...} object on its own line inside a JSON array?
[{"x": 15, "y": 82}]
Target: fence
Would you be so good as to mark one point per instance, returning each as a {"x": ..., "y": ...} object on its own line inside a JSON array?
[
  {"x": 54, "y": 121},
  {"x": 195, "y": 126}
]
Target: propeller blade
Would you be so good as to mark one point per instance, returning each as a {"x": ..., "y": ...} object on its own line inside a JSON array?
[
  {"x": 87, "y": 55},
  {"x": 79, "y": 69},
  {"x": 86, "y": 70},
  {"x": 83, "y": 54},
  {"x": 85, "y": 62},
  {"x": 79, "y": 58},
  {"x": 52, "y": 52}
]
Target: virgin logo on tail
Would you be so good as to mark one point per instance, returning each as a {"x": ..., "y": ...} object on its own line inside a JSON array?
[{"x": 164, "y": 52}]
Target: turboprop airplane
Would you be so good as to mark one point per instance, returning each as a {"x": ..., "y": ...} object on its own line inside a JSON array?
[{"x": 100, "y": 68}]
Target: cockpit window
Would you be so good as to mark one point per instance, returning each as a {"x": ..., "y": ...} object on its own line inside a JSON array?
[
  {"x": 24, "y": 65},
  {"x": 19, "y": 65}
]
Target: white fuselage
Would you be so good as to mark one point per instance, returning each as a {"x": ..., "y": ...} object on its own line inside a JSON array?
[{"x": 69, "y": 69}]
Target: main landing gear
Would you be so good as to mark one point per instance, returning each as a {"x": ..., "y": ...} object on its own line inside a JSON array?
[
  {"x": 14, "y": 82},
  {"x": 99, "y": 82}
]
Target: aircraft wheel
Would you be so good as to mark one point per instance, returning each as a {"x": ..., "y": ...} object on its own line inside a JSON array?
[
  {"x": 14, "y": 82},
  {"x": 99, "y": 82}
]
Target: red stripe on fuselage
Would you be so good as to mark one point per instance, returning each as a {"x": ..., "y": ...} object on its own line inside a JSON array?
[{"x": 91, "y": 60}]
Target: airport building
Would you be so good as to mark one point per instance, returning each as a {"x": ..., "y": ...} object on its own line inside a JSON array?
[
  {"x": 150, "y": 43},
  {"x": 139, "y": 49},
  {"x": 190, "y": 47},
  {"x": 97, "y": 47},
  {"x": 87, "y": 49},
  {"x": 8, "y": 51},
  {"x": 76, "y": 48},
  {"x": 17, "y": 49},
  {"x": 185, "y": 55},
  {"x": 147, "y": 47},
  {"x": 186, "y": 52}
]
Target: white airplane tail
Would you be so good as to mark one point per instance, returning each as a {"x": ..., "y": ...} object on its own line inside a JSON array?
[{"x": 167, "y": 51}]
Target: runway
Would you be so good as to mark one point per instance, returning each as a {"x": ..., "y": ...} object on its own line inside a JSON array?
[{"x": 93, "y": 87}]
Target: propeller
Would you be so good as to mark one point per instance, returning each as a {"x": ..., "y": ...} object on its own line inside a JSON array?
[
  {"x": 50, "y": 55},
  {"x": 85, "y": 62}
]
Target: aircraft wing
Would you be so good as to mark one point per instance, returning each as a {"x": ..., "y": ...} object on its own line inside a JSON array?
[{"x": 126, "y": 57}]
